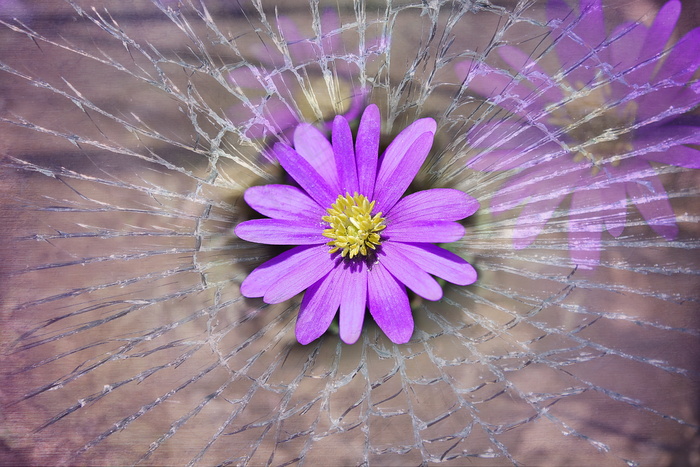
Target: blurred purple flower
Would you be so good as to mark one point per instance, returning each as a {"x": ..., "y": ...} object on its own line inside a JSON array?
[
  {"x": 15, "y": 9},
  {"x": 287, "y": 87},
  {"x": 377, "y": 247},
  {"x": 593, "y": 126}
]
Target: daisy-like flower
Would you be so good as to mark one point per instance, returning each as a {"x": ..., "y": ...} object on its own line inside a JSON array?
[
  {"x": 359, "y": 243},
  {"x": 592, "y": 128},
  {"x": 308, "y": 79}
]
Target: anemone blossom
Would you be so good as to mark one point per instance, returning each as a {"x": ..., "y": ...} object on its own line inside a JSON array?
[
  {"x": 592, "y": 126},
  {"x": 359, "y": 244}
]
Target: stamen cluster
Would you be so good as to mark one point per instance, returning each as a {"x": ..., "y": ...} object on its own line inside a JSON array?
[{"x": 353, "y": 229}]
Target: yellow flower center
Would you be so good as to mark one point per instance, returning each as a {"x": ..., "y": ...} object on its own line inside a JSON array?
[
  {"x": 601, "y": 128},
  {"x": 353, "y": 228}
]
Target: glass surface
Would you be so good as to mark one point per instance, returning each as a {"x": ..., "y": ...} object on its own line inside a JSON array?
[{"x": 130, "y": 131}]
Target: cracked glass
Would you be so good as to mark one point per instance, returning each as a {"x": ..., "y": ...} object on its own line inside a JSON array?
[{"x": 130, "y": 131}]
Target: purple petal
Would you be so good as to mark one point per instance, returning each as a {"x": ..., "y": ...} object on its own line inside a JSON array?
[
  {"x": 667, "y": 101},
  {"x": 344, "y": 155},
  {"x": 650, "y": 197},
  {"x": 408, "y": 273},
  {"x": 353, "y": 302},
  {"x": 614, "y": 198},
  {"x": 658, "y": 138},
  {"x": 474, "y": 73},
  {"x": 576, "y": 61},
  {"x": 331, "y": 43},
  {"x": 559, "y": 11},
  {"x": 509, "y": 145},
  {"x": 313, "y": 146},
  {"x": 554, "y": 178},
  {"x": 683, "y": 60},
  {"x": 268, "y": 273},
  {"x": 584, "y": 248},
  {"x": 283, "y": 202},
  {"x": 396, "y": 153},
  {"x": 625, "y": 49},
  {"x": 580, "y": 34},
  {"x": 357, "y": 103},
  {"x": 547, "y": 89},
  {"x": 400, "y": 164},
  {"x": 424, "y": 232},
  {"x": 246, "y": 77},
  {"x": 367, "y": 150},
  {"x": 591, "y": 28},
  {"x": 269, "y": 117},
  {"x": 305, "y": 175},
  {"x": 661, "y": 30},
  {"x": 516, "y": 190},
  {"x": 496, "y": 85},
  {"x": 585, "y": 228},
  {"x": 300, "y": 47},
  {"x": 532, "y": 220},
  {"x": 647, "y": 48},
  {"x": 681, "y": 156},
  {"x": 438, "y": 204},
  {"x": 301, "y": 277},
  {"x": 626, "y": 53},
  {"x": 318, "y": 307},
  {"x": 438, "y": 261},
  {"x": 388, "y": 304},
  {"x": 280, "y": 118},
  {"x": 599, "y": 206},
  {"x": 281, "y": 232}
]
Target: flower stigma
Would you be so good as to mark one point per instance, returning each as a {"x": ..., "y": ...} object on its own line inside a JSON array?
[{"x": 353, "y": 229}]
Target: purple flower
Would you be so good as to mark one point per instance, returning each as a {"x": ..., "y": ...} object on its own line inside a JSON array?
[
  {"x": 314, "y": 78},
  {"x": 592, "y": 126},
  {"x": 378, "y": 244},
  {"x": 15, "y": 9}
]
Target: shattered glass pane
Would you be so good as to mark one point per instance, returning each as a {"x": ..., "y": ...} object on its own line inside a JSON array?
[{"x": 130, "y": 131}]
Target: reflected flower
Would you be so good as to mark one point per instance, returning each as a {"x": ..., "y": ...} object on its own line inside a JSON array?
[
  {"x": 125, "y": 335},
  {"x": 303, "y": 79},
  {"x": 14, "y": 9},
  {"x": 376, "y": 248},
  {"x": 594, "y": 129}
]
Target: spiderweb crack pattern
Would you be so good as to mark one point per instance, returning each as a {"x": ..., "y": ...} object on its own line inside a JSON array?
[{"x": 126, "y": 148}]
